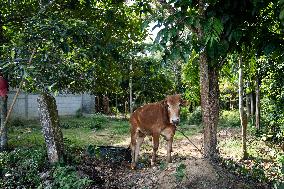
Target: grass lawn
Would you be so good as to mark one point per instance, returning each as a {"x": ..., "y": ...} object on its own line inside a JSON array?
[
  {"x": 101, "y": 130},
  {"x": 83, "y": 131}
]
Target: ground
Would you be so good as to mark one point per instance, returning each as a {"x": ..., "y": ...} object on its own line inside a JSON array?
[
  {"x": 188, "y": 170},
  {"x": 99, "y": 151}
]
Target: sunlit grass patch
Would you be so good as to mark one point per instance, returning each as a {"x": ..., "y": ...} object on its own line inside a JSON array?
[
  {"x": 96, "y": 130},
  {"x": 188, "y": 130},
  {"x": 229, "y": 119},
  {"x": 264, "y": 161},
  {"x": 25, "y": 137},
  {"x": 231, "y": 148}
]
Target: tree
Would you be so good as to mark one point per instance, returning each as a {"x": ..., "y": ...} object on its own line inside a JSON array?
[
  {"x": 213, "y": 29},
  {"x": 69, "y": 45},
  {"x": 243, "y": 116}
]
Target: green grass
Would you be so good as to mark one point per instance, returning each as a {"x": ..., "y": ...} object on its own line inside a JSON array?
[
  {"x": 188, "y": 130},
  {"x": 231, "y": 147},
  {"x": 229, "y": 119},
  {"x": 83, "y": 131}
]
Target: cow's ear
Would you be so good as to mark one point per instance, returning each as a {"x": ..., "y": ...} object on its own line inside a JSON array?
[
  {"x": 184, "y": 102},
  {"x": 164, "y": 102}
]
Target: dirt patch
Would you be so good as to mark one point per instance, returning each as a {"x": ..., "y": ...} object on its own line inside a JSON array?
[{"x": 188, "y": 170}]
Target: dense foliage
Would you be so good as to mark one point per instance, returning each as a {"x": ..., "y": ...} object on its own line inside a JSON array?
[{"x": 101, "y": 47}]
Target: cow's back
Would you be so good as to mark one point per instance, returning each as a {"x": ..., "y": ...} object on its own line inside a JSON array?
[{"x": 148, "y": 118}]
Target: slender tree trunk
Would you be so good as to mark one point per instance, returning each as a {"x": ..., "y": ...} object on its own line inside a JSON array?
[
  {"x": 231, "y": 104},
  {"x": 125, "y": 109},
  {"x": 116, "y": 108},
  {"x": 3, "y": 114},
  {"x": 248, "y": 103},
  {"x": 2, "y": 37},
  {"x": 257, "y": 104},
  {"x": 50, "y": 127},
  {"x": 130, "y": 90},
  {"x": 248, "y": 106},
  {"x": 241, "y": 110},
  {"x": 251, "y": 104},
  {"x": 105, "y": 104}
]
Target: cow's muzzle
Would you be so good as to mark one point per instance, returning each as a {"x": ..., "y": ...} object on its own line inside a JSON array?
[{"x": 175, "y": 122}]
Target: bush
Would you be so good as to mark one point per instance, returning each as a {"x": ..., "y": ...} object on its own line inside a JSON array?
[
  {"x": 230, "y": 119},
  {"x": 79, "y": 113},
  {"x": 184, "y": 112},
  {"x": 16, "y": 122},
  {"x": 21, "y": 167},
  {"x": 195, "y": 118},
  {"x": 272, "y": 133},
  {"x": 66, "y": 177},
  {"x": 98, "y": 121}
]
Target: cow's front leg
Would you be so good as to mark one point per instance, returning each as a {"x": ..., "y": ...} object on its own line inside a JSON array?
[
  {"x": 168, "y": 134},
  {"x": 169, "y": 149},
  {"x": 155, "y": 148}
]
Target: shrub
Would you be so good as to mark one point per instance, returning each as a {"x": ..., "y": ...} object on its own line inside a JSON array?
[
  {"x": 195, "y": 118},
  {"x": 96, "y": 122},
  {"x": 180, "y": 172},
  {"x": 66, "y": 177},
  {"x": 16, "y": 122},
  {"x": 184, "y": 112},
  {"x": 79, "y": 113},
  {"x": 21, "y": 167},
  {"x": 230, "y": 119},
  {"x": 99, "y": 121}
]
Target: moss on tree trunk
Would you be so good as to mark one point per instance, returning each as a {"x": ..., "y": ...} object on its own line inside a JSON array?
[{"x": 50, "y": 127}]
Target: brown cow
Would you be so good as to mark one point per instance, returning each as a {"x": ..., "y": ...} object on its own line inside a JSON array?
[{"x": 155, "y": 119}]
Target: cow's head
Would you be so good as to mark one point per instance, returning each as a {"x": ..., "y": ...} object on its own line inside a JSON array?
[{"x": 173, "y": 104}]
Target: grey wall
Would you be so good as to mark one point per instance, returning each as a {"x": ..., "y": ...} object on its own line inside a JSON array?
[{"x": 67, "y": 104}]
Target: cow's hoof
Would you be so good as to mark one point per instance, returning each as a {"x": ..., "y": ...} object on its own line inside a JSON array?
[
  {"x": 133, "y": 166},
  {"x": 169, "y": 160}
]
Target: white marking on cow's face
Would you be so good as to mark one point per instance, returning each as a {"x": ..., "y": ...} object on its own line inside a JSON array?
[{"x": 174, "y": 112}]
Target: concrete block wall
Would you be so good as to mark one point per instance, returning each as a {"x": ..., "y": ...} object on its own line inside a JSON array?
[{"x": 26, "y": 106}]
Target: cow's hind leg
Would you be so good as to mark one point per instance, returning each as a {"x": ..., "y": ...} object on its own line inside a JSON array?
[
  {"x": 133, "y": 146},
  {"x": 155, "y": 148},
  {"x": 139, "y": 141}
]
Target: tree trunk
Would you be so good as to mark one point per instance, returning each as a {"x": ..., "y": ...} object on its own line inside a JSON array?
[
  {"x": 130, "y": 90},
  {"x": 248, "y": 106},
  {"x": 116, "y": 105},
  {"x": 50, "y": 127},
  {"x": 125, "y": 109},
  {"x": 257, "y": 104},
  {"x": 2, "y": 36},
  {"x": 241, "y": 110},
  {"x": 105, "y": 104},
  {"x": 251, "y": 104},
  {"x": 209, "y": 90},
  {"x": 3, "y": 129}
]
